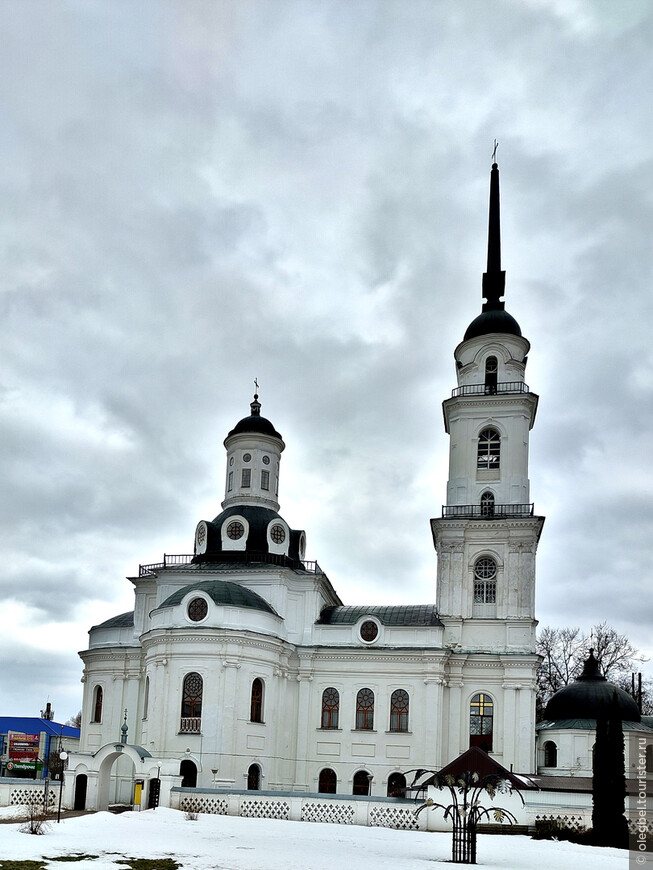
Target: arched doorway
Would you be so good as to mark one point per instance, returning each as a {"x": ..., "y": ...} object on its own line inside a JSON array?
[
  {"x": 81, "y": 783},
  {"x": 188, "y": 772},
  {"x": 254, "y": 778}
]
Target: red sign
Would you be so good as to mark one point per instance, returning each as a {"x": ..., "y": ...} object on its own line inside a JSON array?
[{"x": 23, "y": 747}]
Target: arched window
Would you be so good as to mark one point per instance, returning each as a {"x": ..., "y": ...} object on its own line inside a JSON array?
[
  {"x": 97, "y": 705},
  {"x": 550, "y": 754},
  {"x": 327, "y": 782},
  {"x": 191, "y": 704},
  {"x": 254, "y": 778},
  {"x": 361, "y": 782},
  {"x": 330, "y": 708},
  {"x": 399, "y": 710},
  {"x": 365, "y": 711},
  {"x": 256, "y": 714},
  {"x": 649, "y": 758},
  {"x": 188, "y": 772},
  {"x": 487, "y": 504},
  {"x": 146, "y": 699},
  {"x": 481, "y": 715},
  {"x": 491, "y": 374},
  {"x": 485, "y": 581},
  {"x": 396, "y": 785},
  {"x": 489, "y": 449}
]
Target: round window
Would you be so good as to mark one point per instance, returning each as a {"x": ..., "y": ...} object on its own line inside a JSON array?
[
  {"x": 485, "y": 569},
  {"x": 369, "y": 630},
  {"x": 278, "y": 534},
  {"x": 201, "y": 534},
  {"x": 247, "y": 457},
  {"x": 231, "y": 461},
  {"x": 266, "y": 460},
  {"x": 235, "y": 530},
  {"x": 197, "y": 609}
]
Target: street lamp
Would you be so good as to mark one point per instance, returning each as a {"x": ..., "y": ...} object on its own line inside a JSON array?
[{"x": 63, "y": 755}]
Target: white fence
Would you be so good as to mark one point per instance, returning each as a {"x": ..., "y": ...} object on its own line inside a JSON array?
[
  {"x": 304, "y": 807},
  {"x": 15, "y": 791}
]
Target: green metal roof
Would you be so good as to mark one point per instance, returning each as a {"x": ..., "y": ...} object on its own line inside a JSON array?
[
  {"x": 123, "y": 620},
  {"x": 395, "y": 614},
  {"x": 586, "y": 725},
  {"x": 222, "y": 592}
]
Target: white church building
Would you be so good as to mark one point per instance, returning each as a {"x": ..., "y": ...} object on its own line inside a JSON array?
[{"x": 240, "y": 669}]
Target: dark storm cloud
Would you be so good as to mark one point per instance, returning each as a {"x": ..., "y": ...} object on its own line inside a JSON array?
[{"x": 197, "y": 194}]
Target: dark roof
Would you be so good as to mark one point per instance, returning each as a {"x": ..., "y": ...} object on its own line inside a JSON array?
[
  {"x": 477, "y": 760},
  {"x": 123, "y": 620},
  {"x": 589, "y": 697},
  {"x": 254, "y": 423},
  {"x": 222, "y": 592},
  {"x": 259, "y": 519},
  {"x": 410, "y": 614},
  {"x": 492, "y": 321},
  {"x": 588, "y": 725}
]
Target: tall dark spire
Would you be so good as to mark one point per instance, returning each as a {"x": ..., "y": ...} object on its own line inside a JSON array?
[{"x": 494, "y": 280}]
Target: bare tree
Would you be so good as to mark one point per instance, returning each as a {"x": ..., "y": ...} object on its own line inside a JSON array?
[
  {"x": 75, "y": 721},
  {"x": 564, "y": 650}
]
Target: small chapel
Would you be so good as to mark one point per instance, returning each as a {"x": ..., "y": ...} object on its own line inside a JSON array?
[{"x": 240, "y": 669}]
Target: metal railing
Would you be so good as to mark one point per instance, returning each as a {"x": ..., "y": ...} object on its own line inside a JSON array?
[
  {"x": 239, "y": 557},
  {"x": 190, "y": 725},
  {"x": 487, "y": 511},
  {"x": 490, "y": 389}
]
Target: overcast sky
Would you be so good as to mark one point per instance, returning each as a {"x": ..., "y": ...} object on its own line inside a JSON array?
[{"x": 195, "y": 194}]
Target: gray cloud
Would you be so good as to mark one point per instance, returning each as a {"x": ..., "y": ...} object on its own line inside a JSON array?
[{"x": 196, "y": 194}]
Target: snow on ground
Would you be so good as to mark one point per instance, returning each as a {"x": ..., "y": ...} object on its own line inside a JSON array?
[{"x": 229, "y": 843}]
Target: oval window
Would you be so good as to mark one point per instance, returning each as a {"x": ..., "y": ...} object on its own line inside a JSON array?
[
  {"x": 369, "y": 631},
  {"x": 197, "y": 609},
  {"x": 278, "y": 534},
  {"x": 235, "y": 530}
]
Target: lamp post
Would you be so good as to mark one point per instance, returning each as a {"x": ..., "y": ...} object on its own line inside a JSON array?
[{"x": 62, "y": 756}]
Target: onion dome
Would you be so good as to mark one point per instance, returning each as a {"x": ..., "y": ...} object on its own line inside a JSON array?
[{"x": 590, "y": 696}]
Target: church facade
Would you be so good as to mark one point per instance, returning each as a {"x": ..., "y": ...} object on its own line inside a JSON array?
[{"x": 240, "y": 667}]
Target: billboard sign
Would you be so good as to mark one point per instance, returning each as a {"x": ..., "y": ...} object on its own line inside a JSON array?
[{"x": 23, "y": 750}]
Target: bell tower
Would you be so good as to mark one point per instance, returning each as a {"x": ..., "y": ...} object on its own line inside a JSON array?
[{"x": 487, "y": 536}]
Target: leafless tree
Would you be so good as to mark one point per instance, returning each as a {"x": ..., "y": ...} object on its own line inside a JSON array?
[{"x": 564, "y": 650}]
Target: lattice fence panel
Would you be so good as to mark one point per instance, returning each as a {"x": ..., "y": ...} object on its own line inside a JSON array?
[
  {"x": 204, "y": 804},
  {"x": 572, "y": 823},
  {"x": 639, "y": 825},
  {"x": 261, "y": 809},
  {"x": 333, "y": 813},
  {"x": 401, "y": 818},
  {"x": 21, "y": 796}
]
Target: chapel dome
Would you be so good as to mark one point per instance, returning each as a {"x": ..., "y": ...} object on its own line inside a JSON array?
[
  {"x": 254, "y": 423},
  {"x": 492, "y": 321},
  {"x": 589, "y": 697}
]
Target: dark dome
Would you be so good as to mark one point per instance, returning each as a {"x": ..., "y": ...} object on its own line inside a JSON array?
[
  {"x": 222, "y": 592},
  {"x": 259, "y": 520},
  {"x": 589, "y": 697},
  {"x": 255, "y": 423},
  {"x": 492, "y": 321}
]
